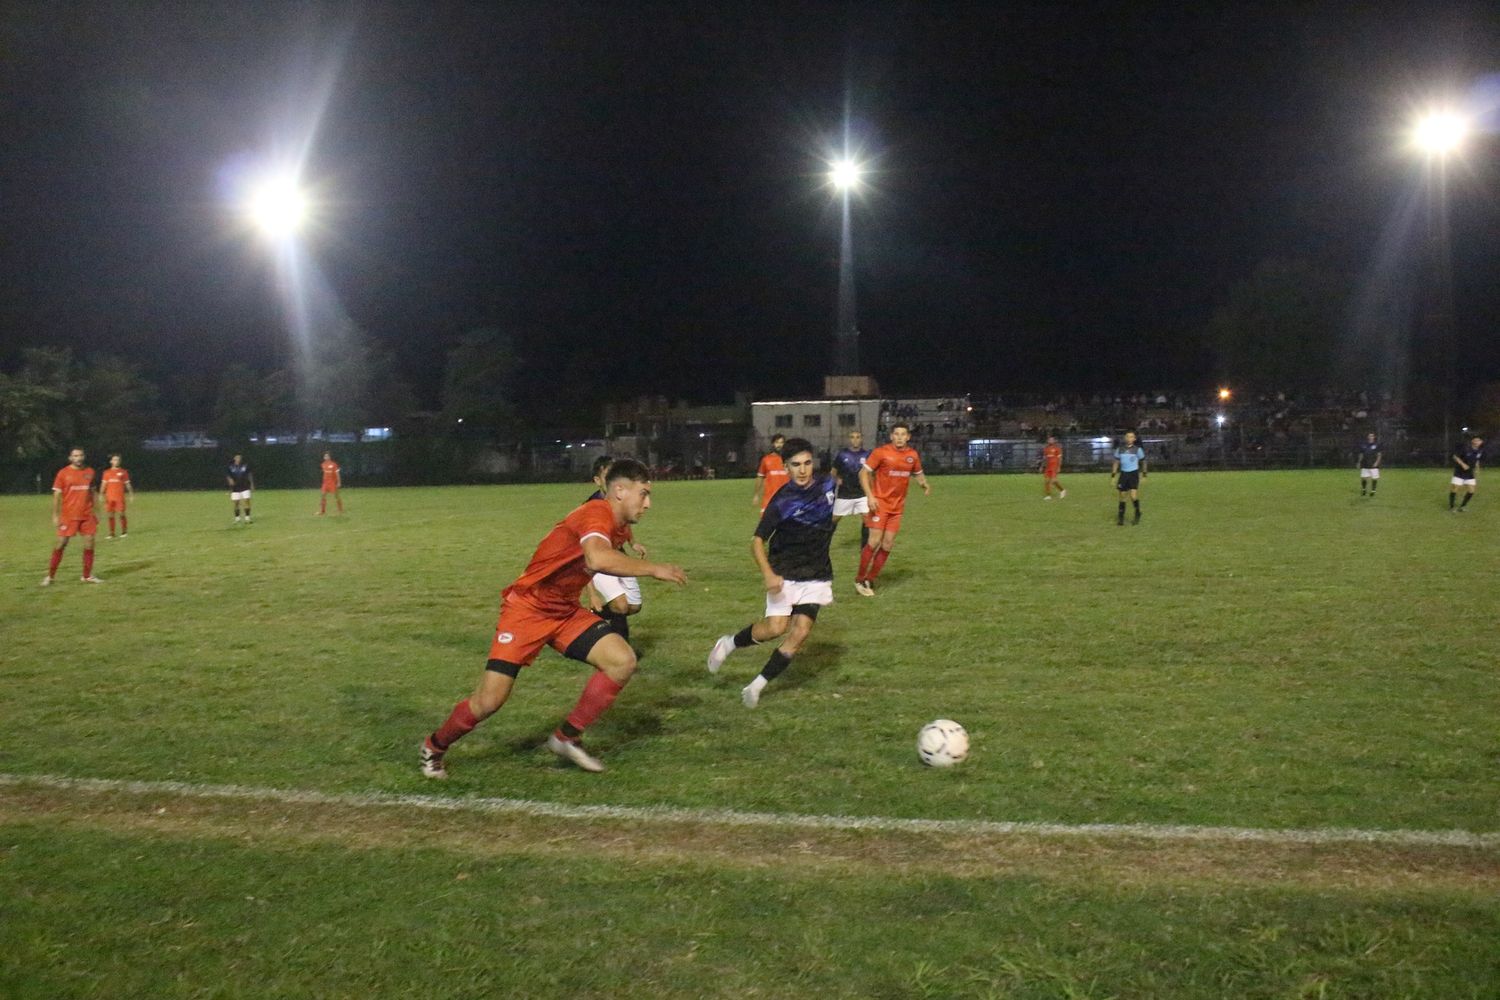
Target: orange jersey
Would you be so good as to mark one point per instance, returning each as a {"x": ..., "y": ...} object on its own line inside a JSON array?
[
  {"x": 114, "y": 481},
  {"x": 330, "y": 473},
  {"x": 1052, "y": 456},
  {"x": 891, "y": 470},
  {"x": 773, "y": 470},
  {"x": 557, "y": 573},
  {"x": 77, "y": 489}
]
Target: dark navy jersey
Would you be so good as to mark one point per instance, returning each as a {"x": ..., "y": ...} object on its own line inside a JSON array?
[
  {"x": 597, "y": 495},
  {"x": 1369, "y": 453},
  {"x": 239, "y": 477},
  {"x": 1471, "y": 457},
  {"x": 846, "y": 464},
  {"x": 797, "y": 528}
]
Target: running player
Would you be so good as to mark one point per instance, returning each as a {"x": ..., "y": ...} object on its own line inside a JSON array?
[
  {"x": 541, "y": 609},
  {"x": 790, "y": 546},
  {"x": 771, "y": 476},
  {"x": 1466, "y": 459},
  {"x": 1052, "y": 456},
  {"x": 1127, "y": 472},
  {"x": 1369, "y": 464},
  {"x": 849, "y": 498},
  {"x": 615, "y": 598},
  {"x": 333, "y": 481},
  {"x": 116, "y": 485},
  {"x": 75, "y": 507},
  {"x": 241, "y": 485},
  {"x": 885, "y": 477}
]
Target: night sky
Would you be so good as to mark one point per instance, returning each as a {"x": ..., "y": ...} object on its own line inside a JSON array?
[{"x": 1060, "y": 197}]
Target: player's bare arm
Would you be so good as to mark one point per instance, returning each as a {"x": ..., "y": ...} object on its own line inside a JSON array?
[
  {"x": 922, "y": 482},
  {"x": 760, "y": 485},
  {"x": 600, "y": 558},
  {"x": 867, "y": 483},
  {"x": 56, "y": 508},
  {"x": 773, "y": 580}
]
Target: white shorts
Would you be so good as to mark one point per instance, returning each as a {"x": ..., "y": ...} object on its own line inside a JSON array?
[
  {"x": 1369, "y": 473},
  {"x": 843, "y": 508},
  {"x": 1463, "y": 482},
  {"x": 242, "y": 495},
  {"x": 611, "y": 587},
  {"x": 795, "y": 592}
]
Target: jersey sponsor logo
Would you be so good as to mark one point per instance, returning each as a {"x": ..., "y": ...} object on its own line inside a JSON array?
[
  {"x": 899, "y": 473},
  {"x": 504, "y": 637}
]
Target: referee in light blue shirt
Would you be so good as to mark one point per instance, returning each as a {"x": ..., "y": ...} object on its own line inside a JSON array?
[{"x": 1128, "y": 471}]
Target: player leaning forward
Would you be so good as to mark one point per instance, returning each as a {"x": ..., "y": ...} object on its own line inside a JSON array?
[
  {"x": 790, "y": 546},
  {"x": 541, "y": 609}
]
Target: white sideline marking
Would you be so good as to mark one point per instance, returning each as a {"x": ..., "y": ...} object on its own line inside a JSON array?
[{"x": 730, "y": 817}]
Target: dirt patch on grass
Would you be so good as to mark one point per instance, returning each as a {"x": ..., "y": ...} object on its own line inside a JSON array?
[{"x": 1118, "y": 861}]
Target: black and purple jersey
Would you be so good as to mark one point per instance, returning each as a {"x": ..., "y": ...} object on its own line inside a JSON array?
[
  {"x": 846, "y": 465},
  {"x": 797, "y": 528}
]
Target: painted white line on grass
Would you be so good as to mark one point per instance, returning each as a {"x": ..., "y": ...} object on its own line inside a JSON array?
[{"x": 730, "y": 817}]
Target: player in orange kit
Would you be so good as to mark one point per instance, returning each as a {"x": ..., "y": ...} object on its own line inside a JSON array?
[
  {"x": 771, "y": 475},
  {"x": 1051, "y": 466},
  {"x": 116, "y": 485},
  {"x": 886, "y": 476},
  {"x": 75, "y": 507},
  {"x": 541, "y": 609},
  {"x": 333, "y": 481}
]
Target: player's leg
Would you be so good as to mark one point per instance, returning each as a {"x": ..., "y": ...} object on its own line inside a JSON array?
[
  {"x": 875, "y": 524},
  {"x": 89, "y": 532},
  {"x": 614, "y": 663},
  {"x": 338, "y": 498},
  {"x": 883, "y": 552},
  {"x": 124, "y": 523},
  {"x": 110, "y": 509},
  {"x": 57, "y": 554},
  {"x": 1135, "y": 499},
  {"x": 616, "y": 595},
  {"x": 757, "y": 632},
  {"x": 1120, "y": 508},
  {"x": 796, "y": 628},
  {"x": 1453, "y": 493},
  {"x": 1468, "y": 494},
  {"x": 322, "y": 502}
]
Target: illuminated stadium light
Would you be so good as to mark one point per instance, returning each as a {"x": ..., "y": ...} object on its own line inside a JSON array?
[
  {"x": 845, "y": 174},
  {"x": 1440, "y": 133},
  {"x": 1221, "y": 420},
  {"x": 1225, "y": 393},
  {"x": 277, "y": 206}
]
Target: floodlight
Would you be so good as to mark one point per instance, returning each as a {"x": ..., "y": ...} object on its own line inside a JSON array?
[
  {"x": 845, "y": 174},
  {"x": 277, "y": 206},
  {"x": 1440, "y": 133},
  {"x": 1220, "y": 419},
  {"x": 1225, "y": 393}
]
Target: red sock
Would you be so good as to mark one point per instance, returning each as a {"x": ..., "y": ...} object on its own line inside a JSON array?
[
  {"x": 340, "y": 501},
  {"x": 877, "y": 564},
  {"x": 460, "y": 721},
  {"x": 865, "y": 555},
  {"x": 323, "y": 504},
  {"x": 111, "y": 524},
  {"x": 56, "y": 560},
  {"x": 124, "y": 524},
  {"x": 88, "y": 562},
  {"x": 598, "y": 694}
]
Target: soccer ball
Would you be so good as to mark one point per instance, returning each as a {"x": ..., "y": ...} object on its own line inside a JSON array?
[{"x": 942, "y": 743}]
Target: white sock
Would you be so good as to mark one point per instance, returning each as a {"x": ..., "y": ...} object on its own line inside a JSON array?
[{"x": 758, "y": 685}]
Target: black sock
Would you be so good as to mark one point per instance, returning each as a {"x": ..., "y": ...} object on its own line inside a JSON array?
[
  {"x": 1451, "y": 497},
  {"x": 742, "y": 638},
  {"x": 1121, "y": 515},
  {"x": 778, "y": 662},
  {"x": 1372, "y": 488},
  {"x": 1137, "y": 506},
  {"x": 619, "y": 622},
  {"x": 1467, "y": 498},
  {"x": 569, "y": 730}
]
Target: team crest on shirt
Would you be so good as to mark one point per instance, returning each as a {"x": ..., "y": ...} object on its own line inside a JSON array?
[
  {"x": 908, "y": 459},
  {"x": 504, "y": 637}
]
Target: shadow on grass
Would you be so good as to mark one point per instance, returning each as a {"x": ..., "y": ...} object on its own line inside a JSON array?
[{"x": 126, "y": 569}]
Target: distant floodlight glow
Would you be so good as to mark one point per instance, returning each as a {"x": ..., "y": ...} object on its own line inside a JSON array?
[
  {"x": 1220, "y": 419},
  {"x": 1225, "y": 393},
  {"x": 845, "y": 174},
  {"x": 277, "y": 206},
  {"x": 1440, "y": 133}
]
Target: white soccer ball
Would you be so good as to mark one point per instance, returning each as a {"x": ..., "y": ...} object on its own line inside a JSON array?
[{"x": 942, "y": 743}]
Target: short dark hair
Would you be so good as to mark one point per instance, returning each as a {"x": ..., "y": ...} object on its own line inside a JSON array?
[
  {"x": 795, "y": 446},
  {"x": 903, "y": 425},
  {"x": 628, "y": 468},
  {"x": 778, "y": 437},
  {"x": 600, "y": 464}
]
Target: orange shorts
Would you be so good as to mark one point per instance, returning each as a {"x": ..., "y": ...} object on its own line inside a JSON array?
[
  {"x": 78, "y": 526},
  {"x": 114, "y": 506},
  {"x": 523, "y": 630},
  {"x": 1050, "y": 472},
  {"x": 329, "y": 486},
  {"x": 888, "y": 523}
]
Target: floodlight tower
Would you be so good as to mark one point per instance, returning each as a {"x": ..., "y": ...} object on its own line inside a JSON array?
[
  {"x": 845, "y": 176},
  {"x": 1439, "y": 137}
]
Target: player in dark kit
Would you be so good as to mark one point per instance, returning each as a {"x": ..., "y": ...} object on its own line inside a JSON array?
[
  {"x": 1369, "y": 464},
  {"x": 849, "y": 498},
  {"x": 241, "y": 483},
  {"x": 1466, "y": 459},
  {"x": 790, "y": 546}
]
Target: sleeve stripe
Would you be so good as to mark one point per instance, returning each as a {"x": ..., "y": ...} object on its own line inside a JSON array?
[{"x": 594, "y": 534}]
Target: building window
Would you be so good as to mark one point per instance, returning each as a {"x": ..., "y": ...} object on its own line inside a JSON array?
[
  {"x": 812, "y": 420},
  {"x": 848, "y": 419},
  {"x": 783, "y": 420}
]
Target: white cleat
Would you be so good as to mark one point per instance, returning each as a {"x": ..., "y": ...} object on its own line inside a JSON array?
[
  {"x": 720, "y": 653},
  {"x": 91, "y": 579},
  {"x": 571, "y": 750},
  {"x": 46, "y": 581},
  {"x": 1047, "y": 497},
  {"x": 863, "y": 589},
  {"x": 1063, "y": 495},
  {"x": 750, "y": 696},
  {"x": 432, "y": 762}
]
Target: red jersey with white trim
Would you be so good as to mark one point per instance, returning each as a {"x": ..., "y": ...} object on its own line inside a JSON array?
[
  {"x": 891, "y": 469},
  {"x": 773, "y": 469},
  {"x": 557, "y": 574},
  {"x": 330, "y": 475},
  {"x": 113, "y": 481},
  {"x": 1052, "y": 457},
  {"x": 77, "y": 489}
]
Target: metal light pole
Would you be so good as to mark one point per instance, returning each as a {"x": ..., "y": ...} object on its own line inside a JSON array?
[
  {"x": 1439, "y": 136},
  {"x": 844, "y": 175}
]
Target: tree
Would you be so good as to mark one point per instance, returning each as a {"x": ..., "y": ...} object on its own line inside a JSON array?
[
  {"x": 478, "y": 380},
  {"x": 1280, "y": 327},
  {"x": 119, "y": 403},
  {"x": 27, "y": 429},
  {"x": 240, "y": 408}
]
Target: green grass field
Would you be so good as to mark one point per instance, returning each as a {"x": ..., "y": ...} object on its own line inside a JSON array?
[{"x": 1265, "y": 651}]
